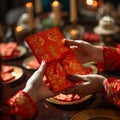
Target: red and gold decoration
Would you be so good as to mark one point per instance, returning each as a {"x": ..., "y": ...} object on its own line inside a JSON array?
[{"x": 61, "y": 61}]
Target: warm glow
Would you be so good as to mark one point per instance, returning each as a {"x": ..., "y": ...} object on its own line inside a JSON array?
[
  {"x": 28, "y": 4},
  {"x": 89, "y": 2},
  {"x": 73, "y": 32},
  {"x": 93, "y": 3},
  {"x": 55, "y": 3},
  {"x": 19, "y": 28}
]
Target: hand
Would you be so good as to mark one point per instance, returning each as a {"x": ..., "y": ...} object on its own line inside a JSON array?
[
  {"x": 35, "y": 86},
  {"x": 85, "y": 51},
  {"x": 91, "y": 84}
]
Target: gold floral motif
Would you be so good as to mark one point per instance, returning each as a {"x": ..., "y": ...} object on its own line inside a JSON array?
[
  {"x": 21, "y": 103},
  {"x": 53, "y": 36},
  {"x": 53, "y": 51},
  {"x": 116, "y": 99},
  {"x": 45, "y": 57},
  {"x": 113, "y": 85},
  {"x": 37, "y": 41},
  {"x": 62, "y": 49},
  {"x": 76, "y": 67},
  {"x": 38, "y": 51}
]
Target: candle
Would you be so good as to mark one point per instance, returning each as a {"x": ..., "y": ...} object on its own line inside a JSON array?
[
  {"x": 56, "y": 10},
  {"x": 38, "y": 6},
  {"x": 29, "y": 8},
  {"x": 73, "y": 11}
]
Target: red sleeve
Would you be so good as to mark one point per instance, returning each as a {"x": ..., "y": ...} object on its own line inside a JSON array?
[
  {"x": 111, "y": 63},
  {"x": 112, "y": 89},
  {"x": 22, "y": 105},
  {"x": 111, "y": 59}
]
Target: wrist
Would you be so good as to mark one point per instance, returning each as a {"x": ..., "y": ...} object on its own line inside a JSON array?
[{"x": 98, "y": 56}]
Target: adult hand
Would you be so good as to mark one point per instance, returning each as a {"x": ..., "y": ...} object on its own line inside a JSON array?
[
  {"x": 91, "y": 84},
  {"x": 85, "y": 51},
  {"x": 35, "y": 86}
]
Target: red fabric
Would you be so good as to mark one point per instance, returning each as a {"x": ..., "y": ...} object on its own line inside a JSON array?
[
  {"x": 22, "y": 106},
  {"x": 111, "y": 59},
  {"x": 49, "y": 45},
  {"x": 111, "y": 63},
  {"x": 112, "y": 89}
]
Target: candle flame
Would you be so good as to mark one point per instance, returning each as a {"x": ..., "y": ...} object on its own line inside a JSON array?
[
  {"x": 73, "y": 32},
  {"x": 92, "y": 3},
  {"x": 28, "y": 4},
  {"x": 19, "y": 28},
  {"x": 55, "y": 3}
]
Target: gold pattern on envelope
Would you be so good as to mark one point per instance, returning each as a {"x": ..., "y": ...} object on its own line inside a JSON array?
[
  {"x": 53, "y": 36},
  {"x": 52, "y": 49}
]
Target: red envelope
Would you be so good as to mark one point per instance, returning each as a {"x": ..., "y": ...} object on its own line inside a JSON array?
[{"x": 61, "y": 61}]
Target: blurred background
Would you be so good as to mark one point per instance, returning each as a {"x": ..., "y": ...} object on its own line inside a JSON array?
[{"x": 6, "y": 6}]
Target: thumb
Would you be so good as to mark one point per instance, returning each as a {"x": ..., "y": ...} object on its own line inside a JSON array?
[
  {"x": 42, "y": 67},
  {"x": 78, "y": 78},
  {"x": 38, "y": 74},
  {"x": 74, "y": 78}
]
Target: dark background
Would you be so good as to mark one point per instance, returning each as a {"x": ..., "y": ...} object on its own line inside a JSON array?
[{"x": 7, "y": 5}]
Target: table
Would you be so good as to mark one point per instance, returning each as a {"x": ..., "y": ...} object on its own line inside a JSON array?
[{"x": 49, "y": 111}]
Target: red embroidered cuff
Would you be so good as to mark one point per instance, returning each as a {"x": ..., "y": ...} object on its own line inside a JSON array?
[
  {"x": 22, "y": 105},
  {"x": 111, "y": 59},
  {"x": 112, "y": 89}
]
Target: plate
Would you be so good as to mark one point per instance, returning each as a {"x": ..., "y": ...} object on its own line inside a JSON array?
[
  {"x": 97, "y": 114},
  {"x": 55, "y": 101},
  {"x": 26, "y": 65},
  {"x": 17, "y": 72},
  {"x": 22, "y": 51},
  {"x": 58, "y": 102}
]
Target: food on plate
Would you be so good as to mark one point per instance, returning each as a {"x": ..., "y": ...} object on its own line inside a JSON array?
[
  {"x": 33, "y": 63},
  {"x": 6, "y": 73},
  {"x": 67, "y": 98},
  {"x": 9, "y": 50},
  {"x": 7, "y": 76},
  {"x": 6, "y": 68}
]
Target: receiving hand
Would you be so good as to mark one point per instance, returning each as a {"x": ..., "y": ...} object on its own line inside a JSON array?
[
  {"x": 85, "y": 51},
  {"x": 91, "y": 84},
  {"x": 35, "y": 86}
]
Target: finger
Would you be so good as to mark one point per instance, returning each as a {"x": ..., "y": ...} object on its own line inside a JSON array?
[
  {"x": 76, "y": 78},
  {"x": 42, "y": 68},
  {"x": 79, "y": 89},
  {"x": 40, "y": 72},
  {"x": 73, "y": 42},
  {"x": 74, "y": 47}
]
